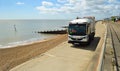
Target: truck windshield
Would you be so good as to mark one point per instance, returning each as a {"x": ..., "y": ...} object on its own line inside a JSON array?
[{"x": 77, "y": 29}]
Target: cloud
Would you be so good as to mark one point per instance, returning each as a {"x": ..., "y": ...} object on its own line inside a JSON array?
[
  {"x": 62, "y": 1},
  {"x": 47, "y": 10},
  {"x": 81, "y": 7},
  {"x": 45, "y": 3},
  {"x": 20, "y": 3}
]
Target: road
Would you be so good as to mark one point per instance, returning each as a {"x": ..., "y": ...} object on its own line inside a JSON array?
[{"x": 65, "y": 57}]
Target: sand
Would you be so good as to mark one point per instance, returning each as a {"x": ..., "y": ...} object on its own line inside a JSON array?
[{"x": 11, "y": 57}]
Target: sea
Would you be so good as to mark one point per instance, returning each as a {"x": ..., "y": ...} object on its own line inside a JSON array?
[{"x": 19, "y": 32}]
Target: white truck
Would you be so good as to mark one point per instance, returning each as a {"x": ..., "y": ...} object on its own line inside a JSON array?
[{"x": 81, "y": 30}]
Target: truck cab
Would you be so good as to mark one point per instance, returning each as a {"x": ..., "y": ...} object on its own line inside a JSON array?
[{"x": 81, "y": 31}]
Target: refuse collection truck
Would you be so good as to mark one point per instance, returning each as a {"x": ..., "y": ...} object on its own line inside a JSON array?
[{"x": 81, "y": 30}]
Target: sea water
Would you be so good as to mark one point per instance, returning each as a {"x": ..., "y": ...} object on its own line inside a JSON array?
[{"x": 19, "y": 32}]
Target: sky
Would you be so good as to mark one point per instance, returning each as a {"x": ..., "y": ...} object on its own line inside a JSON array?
[{"x": 58, "y": 9}]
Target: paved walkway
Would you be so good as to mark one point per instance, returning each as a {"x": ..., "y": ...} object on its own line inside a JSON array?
[{"x": 62, "y": 58}]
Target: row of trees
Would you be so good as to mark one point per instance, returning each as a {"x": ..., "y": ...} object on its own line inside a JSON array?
[{"x": 115, "y": 18}]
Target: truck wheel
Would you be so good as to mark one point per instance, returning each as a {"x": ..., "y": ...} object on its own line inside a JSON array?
[
  {"x": 88, "y": 42},
  {"x": 92, "y": 38}
]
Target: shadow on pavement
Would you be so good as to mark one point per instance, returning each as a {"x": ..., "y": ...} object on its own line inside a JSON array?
[{"x": 92, "y": 46}]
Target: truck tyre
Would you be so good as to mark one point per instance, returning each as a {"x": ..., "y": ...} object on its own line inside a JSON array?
[
  {"x": 92, "y": 37},
  {"x": 89, "y": 40},
  {"x": 93, "y": 34}
]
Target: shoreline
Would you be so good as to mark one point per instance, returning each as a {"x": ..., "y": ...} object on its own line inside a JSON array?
[
  {"x": 11, "y": 57},
  {"x": 26, "y": 42}
]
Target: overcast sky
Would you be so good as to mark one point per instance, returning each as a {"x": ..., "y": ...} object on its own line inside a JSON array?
[{"x": 58, "y": 9}]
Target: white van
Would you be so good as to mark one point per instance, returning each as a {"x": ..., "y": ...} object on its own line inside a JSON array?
[{"x": 81, "y": 30}]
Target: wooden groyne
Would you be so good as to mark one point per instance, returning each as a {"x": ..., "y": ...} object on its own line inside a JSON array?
[
  {"x": 64, "y": 26},
  {"x": 62, "y": 31}
]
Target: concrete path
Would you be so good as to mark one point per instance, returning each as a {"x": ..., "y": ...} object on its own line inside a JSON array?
[{"x": 62, "y": 58}]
